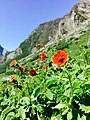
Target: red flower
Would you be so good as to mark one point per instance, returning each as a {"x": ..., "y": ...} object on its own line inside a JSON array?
[
  {"x": 32, "y": 72},
  {"x": 60, "y": 58},
  {"x": 12, "y": 63},
  {"x": 21, "y": 68},
  {"x": 42, "y": 56},
  {"x": 76, "y": 42},
  {"x": 39, "y": 45}
]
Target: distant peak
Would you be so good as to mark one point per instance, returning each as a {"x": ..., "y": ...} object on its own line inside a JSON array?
[{"x": 1, "y": 46}]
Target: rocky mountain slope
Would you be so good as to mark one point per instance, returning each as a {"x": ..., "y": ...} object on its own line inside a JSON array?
[
  {"x": 1, "y": 50},
  {"x": 75, "y": 21},
  {"x": 3, "y": 53}
]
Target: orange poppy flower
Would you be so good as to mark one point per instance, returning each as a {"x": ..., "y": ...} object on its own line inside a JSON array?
[
  {"x": 32, "y": 72},
  {"x": 42, "y": 56},
  {"x": 12, "y": 63},
  {"x": 12, "y": 78},
  {"x": 44, "y": 67},
  {"x": 21, "y": 68},
  {"x": 39, "y": 45},
  {"x": 60, "y": 58}
]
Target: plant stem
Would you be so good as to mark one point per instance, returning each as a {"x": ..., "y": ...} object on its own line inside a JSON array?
[
  {"x": 71, "y": 92},
  {"x": 44, "y": 88},
  {"x": 71, "y": 86},
  {"x": 86, "y": 57},
  {"x": 45, "y": 83}
]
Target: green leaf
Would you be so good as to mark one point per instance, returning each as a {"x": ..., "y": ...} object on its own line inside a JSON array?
[
  {"x": 5, "y": 102},
  {"x": 78, "y": 117},
  {"x": 49, "y": 94},
  {"x": 84, "y": 108},
  {"x": 38, "y": 116},
  {"x": 81, "y": 77},
  {"x": 67, "y": 92},
  {"x": 82, "y": 118},
  {"x": 10, "y": 116},
  {"x": 59, "y": 106},
  {"x": 59, "y": 117},
  {"x": 78, "y": 91},
  {"x": 65, "y": 111},
  {"x": 6, "y": 111},
  {"x": 25, "y": 101},
  {"x": 37, "y": 91},
  {"x": 69, "y": 116},
  {"x": 76, "y": 84},
  {"x": 21, "y": 113},
  {"x": 51, "y": 81},
  {"x": 39, "y": 108},
  {"x": 13, "y": 93},
  {"x": 1, "y": 118}
]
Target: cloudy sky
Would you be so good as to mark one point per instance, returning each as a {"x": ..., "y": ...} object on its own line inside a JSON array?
[{"x": 20, "y": 17}]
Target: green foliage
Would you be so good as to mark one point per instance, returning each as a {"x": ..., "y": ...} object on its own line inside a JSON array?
[
  {"x": 62, "y": 44},
  {"x": 60, "y": 92},
  {"x": 2, "y": 69},
  {"x": 84, "y": 108},
  {"x": 6, "y": 111}
]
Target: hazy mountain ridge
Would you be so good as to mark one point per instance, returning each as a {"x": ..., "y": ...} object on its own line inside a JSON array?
[{"x": 74, "y": 21}]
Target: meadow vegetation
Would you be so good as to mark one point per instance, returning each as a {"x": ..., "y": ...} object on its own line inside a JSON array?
[{"x": 52, "y": 85}]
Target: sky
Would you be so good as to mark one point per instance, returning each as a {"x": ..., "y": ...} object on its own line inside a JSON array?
[{"x": 18, "y": 18}]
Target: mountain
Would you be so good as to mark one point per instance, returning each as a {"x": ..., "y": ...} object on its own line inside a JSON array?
[
  {"x": 1, "y": 50},
  {"x": 3, "y": 53},
  {"x": 49, "y": 32}
]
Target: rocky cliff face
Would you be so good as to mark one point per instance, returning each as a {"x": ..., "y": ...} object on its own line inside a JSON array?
[
  {"x": 48, "y": 32},
  {"x": 45, "y": 33},
  {"x": 77, "y": 19},
  {"x": 13, "y": 54},
  {"x": 3, "y": 53}
]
